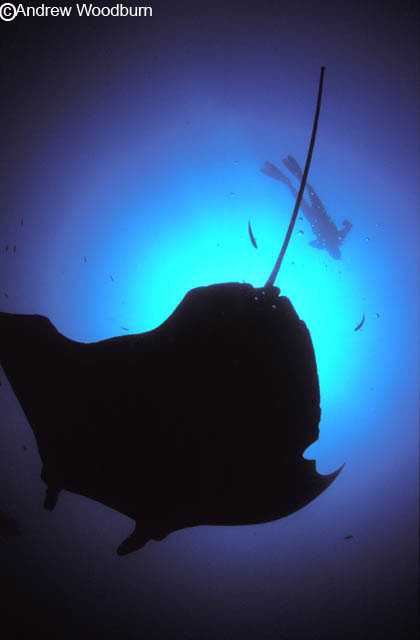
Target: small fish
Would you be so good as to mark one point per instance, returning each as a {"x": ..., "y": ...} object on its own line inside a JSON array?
[
  {"x": 347, "y": 537},
  {"x": 125, "y": 328},
  {"x": 111, "y": 278},
  {"x": 14, "y": 248},
  {"x": 6, "y": 296},
  {"x": 7, "y": 247},
  {"x": 359, "y": 326},
  {"x": 84, "y": 259},
  {"x": 21, "y": 222},
  {"x": 24, "y": 448},
  {"x": 251, "y": 235}
]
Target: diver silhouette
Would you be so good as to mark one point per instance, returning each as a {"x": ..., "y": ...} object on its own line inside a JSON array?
[
  {"x": 201, "y": 421},
  {"x": 328, "y": 236}
]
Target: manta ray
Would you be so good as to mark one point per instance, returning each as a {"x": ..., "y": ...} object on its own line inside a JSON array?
[
  {"x": 201, "y": 421},
  {"x": 328, "y": 236}
]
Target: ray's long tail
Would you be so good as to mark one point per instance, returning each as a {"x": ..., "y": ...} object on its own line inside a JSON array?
[{"x": 274, "y": 273}]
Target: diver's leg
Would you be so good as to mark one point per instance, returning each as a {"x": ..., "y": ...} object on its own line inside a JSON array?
[
  {"x": 272, "y": 171},
  {"x": 291, "y": 164},
  {"x": 316, "y": 201}
]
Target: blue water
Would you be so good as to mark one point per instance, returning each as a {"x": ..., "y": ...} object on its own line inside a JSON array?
[{"x": 135, "y": 170}]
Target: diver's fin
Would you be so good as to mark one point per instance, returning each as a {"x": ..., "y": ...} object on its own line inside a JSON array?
[
  {"x": 135, "y": 541},
  {"x": 274, "y": 172},
  {"x": 291, "y": 164}
]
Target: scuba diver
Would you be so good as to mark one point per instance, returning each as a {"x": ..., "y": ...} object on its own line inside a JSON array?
[{"x": 328, "y": 236}]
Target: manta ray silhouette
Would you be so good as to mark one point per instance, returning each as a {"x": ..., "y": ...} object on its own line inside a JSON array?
[{"x": 202, "y": 421}]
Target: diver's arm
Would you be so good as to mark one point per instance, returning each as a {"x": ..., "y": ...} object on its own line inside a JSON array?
[{"x": 347, "y": 225}]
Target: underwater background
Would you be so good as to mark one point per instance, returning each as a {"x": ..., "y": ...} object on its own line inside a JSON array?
[{"x": 131, "y": 157}]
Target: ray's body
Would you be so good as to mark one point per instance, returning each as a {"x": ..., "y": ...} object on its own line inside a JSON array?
[{"x": 202, "y": 421}]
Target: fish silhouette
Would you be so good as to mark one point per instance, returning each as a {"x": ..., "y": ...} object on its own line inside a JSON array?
[
  {"x": 251, "y": 235},
  {"x": 328, "y": 236},
  {"x": 361, "y": 323},
  {"x": 201, "y": 421}
]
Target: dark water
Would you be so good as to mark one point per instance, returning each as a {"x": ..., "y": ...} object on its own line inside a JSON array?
[{"x": 132, "y": 152}]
